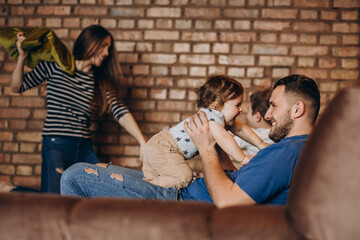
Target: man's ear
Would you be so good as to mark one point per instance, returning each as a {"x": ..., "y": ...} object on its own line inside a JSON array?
[{"x": 298, "y": 109}]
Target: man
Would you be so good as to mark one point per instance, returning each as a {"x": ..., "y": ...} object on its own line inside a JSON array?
[{"x": 294, "y": 106}]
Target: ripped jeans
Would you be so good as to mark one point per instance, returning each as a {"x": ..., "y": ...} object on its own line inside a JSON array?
[
  {"x": 88, "y": 180},
  {"x": 60, "y": 152}
]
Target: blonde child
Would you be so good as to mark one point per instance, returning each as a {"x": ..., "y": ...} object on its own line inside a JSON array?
[{"x": 165, "y": 154}]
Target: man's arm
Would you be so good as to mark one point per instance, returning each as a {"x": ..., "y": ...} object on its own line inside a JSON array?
[{"x": 223, "y": 191}]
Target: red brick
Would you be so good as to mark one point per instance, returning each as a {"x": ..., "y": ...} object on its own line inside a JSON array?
[
  {"x": 4, "y": 124},
  {"x": 163, "y": 12},
  {"x": 16, "y": 21},
  {"x": 158, "y": 93},
  {"x": 177, "y": 94},
  {"x": 240, "y": 48},
  {"x": 198, "y": 71},
  {"x": 39, "y": 113},
  {"x": 263, "y": 83},
  {"x": 161, "y": 35},
  {"x": 183, "y": 24},
  {"x": 306, "y": 61},
  {"x": 241, "y": 13},
  {"x": 130, "y": 23},
  {"x": 255, "y": 72},
  {"x": 346, "y": 4},
  {"x": 164, "y": 82},
  {"x": 221, "y": 48},
  {"x": 33, "y": 182},
  {"x": 268, "y": 37},
  {"x": 242, "y": 24},
  {"x": 197, "y": 59},
  {"x": 201, "y": 48},
  {"x": 181, "y": 47},
  {"x": 144, "y": 81},
  {"x": 141, "y": 69},
  {"x": 127, "y": 35},
  {"x": 308, "y": 14},
  {"x": 238, "y": 60},
  {"x": 122, "y": 46},
  {"x": 328, "y": 39},
  {"x": 24, "y": 170},
  {"x": 308, "y": 39},
  {"x": 203, "y": 25},
  {"x": 222, "y": 24},
  {"x": 189, "y": 82},
  {"x": 179, "y": 70},
  {"x": 236, "y": 72},
  {"x": 71, "y": 22},
  {"x": 4, "y": 158},
  {"x": 238, "y": 37},
  {"x": 163, "y": 24},
  {"x": 159, "y": 58},
  {"x": 328, "y": 15},
  {"x": 317, "y": 27},
  {"x": 349, "y": 15},
  {"x": 126, "y": 12},
  {"x": 327, "y": 62},
  {"x": 349, "y": 63},
  {"x": 28, "y": 102},
  {"x": 176, "y": 106},
  {"x": 216, "y": 70},
  {"x": 112, "y": 150},
  {"x": 163, "y": 47},
  {"x": 345, "y": 27},
  {"x": 52, "y": 22},
  {"x": 22, "y": 10},
  {"x": 276, "y": 61},
  {"x": 54, "y": 10},
  {"x": 108, "y": 23},
  {"x": 279, "y": 13},
  {"x": 144, "y": 47},
  {"x": 162, "y": 117},
  {"x": 313, "y": 73},
  {"x": 159, "y": 70},
  {"x": 311, "y": 3},
  {"x": 29, "y": 136},
  {"x": 7, "y": 169},
  {"x": 202, "y": 12},
  {"x": 128, "y": 58},
  {"x": 345, "y": 74},
  {"x": 14, "y": 113},
  {"x": 288, "y": 38},
  {"x": 35, "y": 125},
  {"x": 346, "y": 51},
  {"x": 17, "y": 124},
  {"x": 271, "y": 25},
  {"x": 280, "y": 72},
  {"x": 28, "y": 147},
  {"x": 6, "y": 136},
  {"x": 26, "y": 158},
  {"x": 350, "y": 39},
  {"x": 270, "y": 49},
  {"x": 199, "y": 36},
  {"x": 4, "y": 102},
  {"x": 309, "y": 51}
]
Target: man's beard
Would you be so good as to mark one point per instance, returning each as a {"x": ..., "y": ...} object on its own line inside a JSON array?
[{"x": 282, "y": 128}]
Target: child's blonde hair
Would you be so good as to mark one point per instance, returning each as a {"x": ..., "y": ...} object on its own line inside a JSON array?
[{"x": 218, "y": 88}]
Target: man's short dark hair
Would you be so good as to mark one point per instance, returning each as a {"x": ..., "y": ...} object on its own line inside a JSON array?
[
  {"x": 305, "y": 88},
  {"x": 259, "y": 101}
]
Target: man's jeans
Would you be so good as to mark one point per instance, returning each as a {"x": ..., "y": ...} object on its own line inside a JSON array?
[
  {"x": 88, "y": 180},
  {"x": 58, "y": 153}
]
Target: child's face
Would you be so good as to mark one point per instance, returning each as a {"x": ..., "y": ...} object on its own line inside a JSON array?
[{"x": 232, "y": 109}]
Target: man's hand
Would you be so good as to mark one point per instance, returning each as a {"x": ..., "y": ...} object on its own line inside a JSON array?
[{"x": 199, "y": 131}]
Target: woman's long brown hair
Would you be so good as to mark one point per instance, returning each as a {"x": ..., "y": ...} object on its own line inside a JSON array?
[{"x": 108, "y": 74}]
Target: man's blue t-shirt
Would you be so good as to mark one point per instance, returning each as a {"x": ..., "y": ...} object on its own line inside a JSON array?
[{"x": 266, "y": 178}]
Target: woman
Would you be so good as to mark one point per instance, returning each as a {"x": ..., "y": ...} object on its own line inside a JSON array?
[{"x": 72, "y": 99}]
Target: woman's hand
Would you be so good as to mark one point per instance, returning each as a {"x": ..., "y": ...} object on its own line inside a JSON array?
[{"x": 20, "y": 38}]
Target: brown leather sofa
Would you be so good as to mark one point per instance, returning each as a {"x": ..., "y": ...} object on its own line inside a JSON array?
[{"x": 323, "y": 202}]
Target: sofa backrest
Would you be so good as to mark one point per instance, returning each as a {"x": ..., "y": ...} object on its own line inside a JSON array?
[{"x": 324, "y": 198}]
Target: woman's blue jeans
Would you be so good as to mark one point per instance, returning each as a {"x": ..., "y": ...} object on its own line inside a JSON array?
[
  {"x": 88, "y": 180},
  {"x": 60, "y": 152}
]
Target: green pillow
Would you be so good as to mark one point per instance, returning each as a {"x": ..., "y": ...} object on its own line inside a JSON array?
[{"x": 42, "y": 44}]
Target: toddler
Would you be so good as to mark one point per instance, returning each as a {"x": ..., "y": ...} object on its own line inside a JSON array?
[{"x": 165, "y": 154}]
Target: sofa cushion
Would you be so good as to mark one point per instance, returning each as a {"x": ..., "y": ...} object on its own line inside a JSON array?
[
  {"x": 324, "y": 198},
  {"x": 34, "y": 216},
  {"x": 140, "y": 219}
]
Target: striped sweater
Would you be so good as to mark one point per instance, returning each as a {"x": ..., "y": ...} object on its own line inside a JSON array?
[{"x": 68, "y": 100}]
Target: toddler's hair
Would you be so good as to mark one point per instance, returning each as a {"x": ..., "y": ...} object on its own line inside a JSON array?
[{"x": 218, "y": 88}]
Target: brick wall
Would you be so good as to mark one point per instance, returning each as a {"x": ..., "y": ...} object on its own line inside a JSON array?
[{"x": 168, "y": 47}]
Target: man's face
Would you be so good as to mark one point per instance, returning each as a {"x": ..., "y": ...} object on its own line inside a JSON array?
[{"x": 279, "y": 113}]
